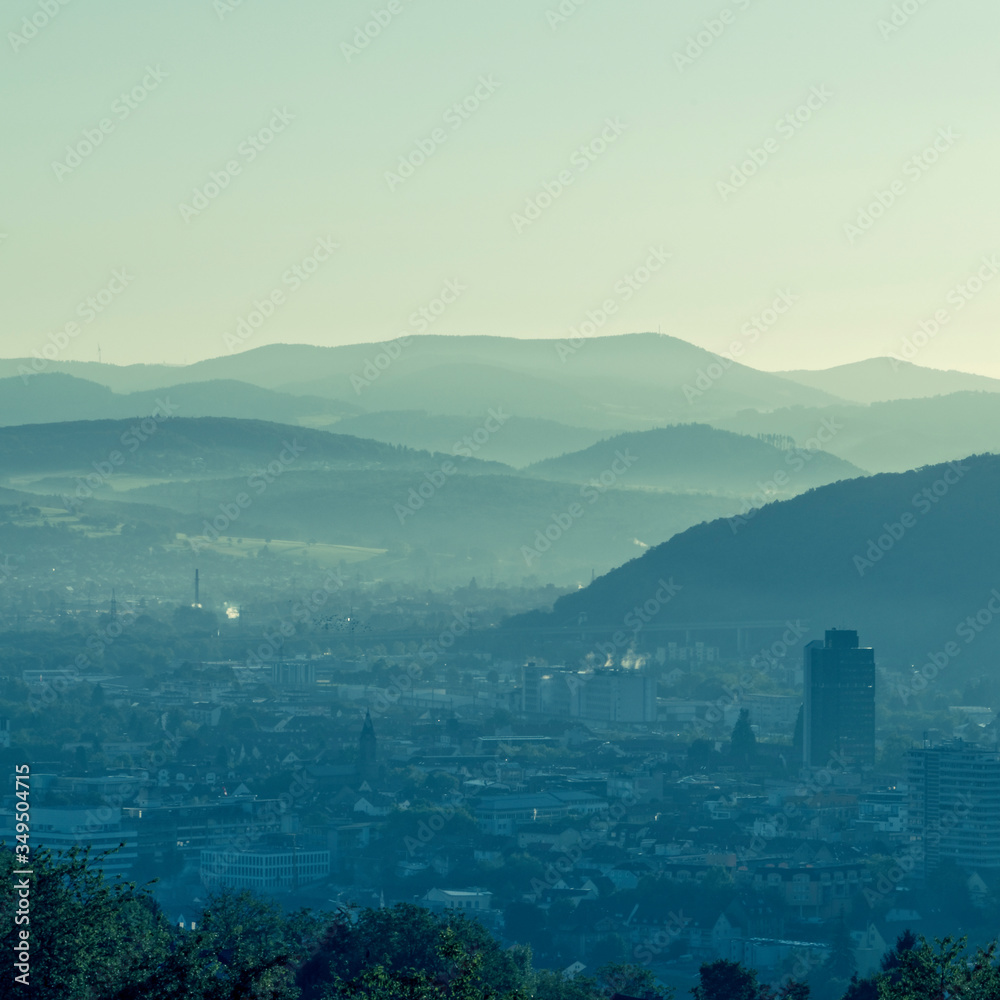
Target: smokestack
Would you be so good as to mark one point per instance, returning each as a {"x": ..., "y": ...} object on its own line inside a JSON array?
[{"x": 197, "y": 600}]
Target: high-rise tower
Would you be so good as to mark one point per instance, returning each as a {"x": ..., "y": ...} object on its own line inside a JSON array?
[{"x": 839, "y": 716}]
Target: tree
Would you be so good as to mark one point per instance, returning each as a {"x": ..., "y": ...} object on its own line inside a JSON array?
[
  {"x": 699, "y": 753},
  {"x": 841, "y": 963},
  {"x": 794, "y": 991},
  {"x": 400, "y": 939},
  {"x": 861, "y": 989},
  {"x": 459, "y": 977},
  {"x": 725, "y": 980},
  {"x": 894, "y": 956},
  {"x": 95, "y": 938},
  {"x": 946, "y": 972},
  {"x": 628, "y": 979},
  {"x": 743, "y": 742}
]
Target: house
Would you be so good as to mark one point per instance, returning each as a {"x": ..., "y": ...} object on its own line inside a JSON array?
[
  {"x": 458, "y": 899},
  {"x": 869, "y": 947}
]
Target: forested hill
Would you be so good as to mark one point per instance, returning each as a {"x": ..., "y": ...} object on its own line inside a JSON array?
[
  {"x": 163, "y": 444},
  {"x": 898, "y": 554},
  {"x": 699, "y": 457}
]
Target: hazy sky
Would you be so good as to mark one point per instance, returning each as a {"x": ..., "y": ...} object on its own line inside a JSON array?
[{"x": 208, "y": 76}]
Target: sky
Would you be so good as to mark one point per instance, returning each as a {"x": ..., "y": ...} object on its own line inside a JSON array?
[{"x": 218, "y": 175}]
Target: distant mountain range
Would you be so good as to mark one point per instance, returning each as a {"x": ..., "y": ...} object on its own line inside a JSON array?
[
  {"x": 878, "y": 380},
  {"x": 887, "y": 437},
  {"x": 430, "y": 392},
  {"x": 51, "y": 397},
  {"x": 451, "y": 510},
  {"x": 611, "y": 383}
]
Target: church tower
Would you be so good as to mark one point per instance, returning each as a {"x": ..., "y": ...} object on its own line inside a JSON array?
[{"x": 368, "y": 751}]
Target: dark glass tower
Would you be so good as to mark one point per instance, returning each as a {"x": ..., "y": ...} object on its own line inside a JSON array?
[{"x": 839, "y": 717}]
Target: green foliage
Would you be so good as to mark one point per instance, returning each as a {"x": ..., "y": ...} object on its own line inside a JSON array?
[
  {"x": 940, "y": 971},
  {"x": 725, "y": 980}
]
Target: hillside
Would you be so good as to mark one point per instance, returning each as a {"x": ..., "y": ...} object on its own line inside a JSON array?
[
  {"x": 611, "y": 383},
  {"x": 817, "y": 557},
  {"x": 52, "y": 397},
  {"x": 469, "y": 525},
  {"x": 184, "y": 446},
  {"x": 888, "y": 437},
  {"x": 877, "y": 380},
  {"x": 521, "y": 441},
  {"x": 701, "y": 458}
]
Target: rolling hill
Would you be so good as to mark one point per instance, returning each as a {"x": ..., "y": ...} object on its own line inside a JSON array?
[
  {"x": 888, "y": 437},
  {"x": 203, "y": 447},
  {"x": 521, "y": 441},
  {"x": 700, "y": 458},
  {"x": 52, "y": 397},
  {"x": 610, "y": 383},
  {"x": 878, "y": 380}
]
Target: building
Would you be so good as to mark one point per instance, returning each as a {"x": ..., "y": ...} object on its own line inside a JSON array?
[
  {"x": 604, "y": 695},
  {"x": 501, "y": 815},
  {"x": 368, "y": 751},
  {"x": 953, "y": 807},
  {"x": 839, "y": 715},
  {"x": 772, "y": 714},
  {"x": 101, "y": 829},
  {"x": 458, "y": 899},
  {"x": 263, "y": 868}
]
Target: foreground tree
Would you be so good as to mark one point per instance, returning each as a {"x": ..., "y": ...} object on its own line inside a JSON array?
[{"x": 724, "y": 980}]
